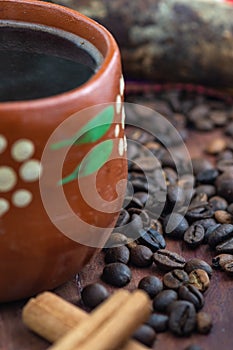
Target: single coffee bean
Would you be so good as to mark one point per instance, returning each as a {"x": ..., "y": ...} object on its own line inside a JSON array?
[
  {"x": 194, "y": 235},
  {"x": 230, "y": 208},
  {"x": 194, "y": 347},
  {"x": 175, "y": 225},
  {"x": 221, "y": 260},
  {"x": 199, "y": 112},
  {"x": 216, "y": 146},
  {"x": 201, "y": 213},
  {"x": 171, "y": 175},
  {"x": 145, "y": 164},
  {"x": 204, "y": 322},
  {"x": 116, "y": 239},
  {"x": 191, "y": 294},
  {"x": 225, "y": 155},
  {"x": 224, "y": 184},
  {"x": 182, "y": 320},
  {"x": 152, "y": 239},
  {"x": 200, "y": 164},
  {"x": 228, "y": 268},
  {"x": 164, "y": 299},
  {"x": 218, "y": 203},
  {"x": 94, "y": 294},
  {"x": 220, "y": 234},
  {"x": 141, "y": 256},
  {"x": 225, "y": 247},
  {"x": 117, "y": 254},
  {"x": 195, "y": 263},
  {"x": 117, "y": 274},
  {"x": 199, "y": 279},
  {"x": 225, "y": 165},
  {"x": 158, "y": 322},
  {"x": 223, "y": 217},
  {"x": 207, "y": 176},
  {"x": 151, "y": 285},
  {"x": 145, "y": 335},
  {"x": 204, "y": 125},
  {"x": 206, "y": 223},
  {"x": 209, "y": 190},
  {"x": 175, "y": 194},
  {"x": 208, "y": 232},
  {"x": 175, "y": 278},
  {"x": 167, "y": 260},
  {"x": 219, "y": 118},
  {"x": 200, "y": 200}
]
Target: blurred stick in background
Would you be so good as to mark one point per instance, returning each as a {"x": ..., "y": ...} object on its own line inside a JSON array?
[{"x": 169, "y": 40}]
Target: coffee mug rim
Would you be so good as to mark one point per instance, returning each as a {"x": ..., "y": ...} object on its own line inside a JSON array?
[{"x": 59, "y": 99}]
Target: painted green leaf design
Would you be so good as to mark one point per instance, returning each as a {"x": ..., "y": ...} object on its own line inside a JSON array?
[
  {"x": 95, "y": 159},
  {"x": 92, "y": 131}
]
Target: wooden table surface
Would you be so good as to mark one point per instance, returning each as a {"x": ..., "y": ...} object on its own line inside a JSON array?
[{"x": 219, "y": 298}]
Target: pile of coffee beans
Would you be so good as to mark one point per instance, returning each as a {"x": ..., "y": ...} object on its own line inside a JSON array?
[{"x": 199, "y": 215}]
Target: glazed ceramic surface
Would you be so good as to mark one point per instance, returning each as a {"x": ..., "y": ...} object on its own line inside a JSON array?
[{"x": 35, "y": 254}]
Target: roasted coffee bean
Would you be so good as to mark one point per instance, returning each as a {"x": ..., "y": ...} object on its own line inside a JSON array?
[
  {"x": 191, "y": 294},
  {"x": 204, "y": 322},
  {"x": 182, "y": 320},
  {"x": 94, "y": 294},
  {"x": 158, "y": 322},
  {"x": 158, "y": 227},
  {"x": 170, "y": 175},
  {"x": 195, "y": 263},
  {"x": 145, "y": 335},
  {"x": 141, "y": 256},
  {"x": 220, "y": 234},
  {"x": 228, "y": 268},
  {"x": 164, "y": 299},
  {"x": 225, "y": 165},
  {"x": 225, "y": 247},
  {"x": 175, "y": 278},
  {"x": 198, "y": 201},
  {"x": 145, "y": 164},
  {"x": 133, "y": 228},
  {"x": 175, "y": 225},
  {"x": 199, "y": 112},
  {"x": 204, "y": 212},
  {"x": 200, "y": 164},
  {"x": 116, "y": 239},
  {"x": 226, "y": 155},
  {"x": 123, "y": 218},
  {"x": 216, "y": 146},
  {"x": 117, "y": 254},
  {"x": 199, "y": 279},
  {"x": 218, "y": 203},
  {"x": 204, "y": 125},
  {"x": 117, "y": 274},
  {"x": 207, "y": 176},
  {"x": 167, "y": 260},
  {"x": 206, "y": 223},
  {"x": 194, "y": 347},
  {"x": 219, "y": 118},
  {"x": 194, "y": 235},
  {"x": 151, "y": 285},
  {"x": 209, "y": 190},
  {"x": 208, "y": 232},
  {"x": 152, "y": 239},
  {"x": 224, "y": 184},
  {"x": 229, "y": 129},
  {"x": 143, "y": 215},
  {"x": 221, "y": 260},
  {"x": 175, "y": 194},
  {"x": 223, "y": 217},
  {"x": 230, "y": 208}
]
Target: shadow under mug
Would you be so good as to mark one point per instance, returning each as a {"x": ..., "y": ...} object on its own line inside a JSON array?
[{"x": 50, "y": 221}]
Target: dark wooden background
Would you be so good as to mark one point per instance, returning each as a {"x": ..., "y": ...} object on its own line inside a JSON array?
[{"x": 219, "y": 298}]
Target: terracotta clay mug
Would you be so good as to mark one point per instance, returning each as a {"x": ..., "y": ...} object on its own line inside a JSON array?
[{"x": 50, "y": 223}]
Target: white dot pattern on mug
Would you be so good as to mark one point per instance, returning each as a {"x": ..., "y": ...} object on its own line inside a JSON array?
[
  {"x": 125, "y": 144},
  {"x": 118, "y": 104},
  {"x": 121, "y": 147},
  {"x": 123, "y": 118},
  {"x": 22, "y": 150},
  {"x": 30, "y": 171},
  {"x": 8, "y": 178},
  {"x": 122, "y": 85},
  {"x": 21, "y": 198},
  {"x": 4, "y": 206},
  {"x": 117, "y": 130},
  {"x": 3, "y": 143}
]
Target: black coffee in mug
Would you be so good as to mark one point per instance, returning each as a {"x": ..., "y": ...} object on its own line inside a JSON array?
[{"x": 37, "y": 61}]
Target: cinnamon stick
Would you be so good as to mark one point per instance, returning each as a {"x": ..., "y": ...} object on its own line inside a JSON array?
[
  {"x": 52, "y": 317},
  {"x": 112, "y": 332}
]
